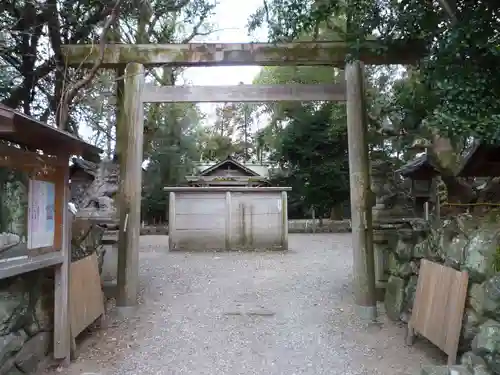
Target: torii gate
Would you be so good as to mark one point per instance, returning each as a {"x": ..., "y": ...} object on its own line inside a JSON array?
[{"x": 136, "y": 93}]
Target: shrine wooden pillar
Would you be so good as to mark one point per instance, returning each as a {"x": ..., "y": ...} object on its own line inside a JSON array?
[
  {"x": 130, "y": 187},
  {"x": 361, "y": 207}
]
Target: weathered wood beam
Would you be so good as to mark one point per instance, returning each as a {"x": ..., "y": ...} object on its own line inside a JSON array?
[
  {"x": 130, "y": 189},
  {"x": 359, "y": 177},
  {"x": 19, "y": 266},
  {"x": 13, "y": 157},
  {"x": 243, "y": 93},
  {"x": 332, "y": 53}
]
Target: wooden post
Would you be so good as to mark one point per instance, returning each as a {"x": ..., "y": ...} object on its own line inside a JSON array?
[
  {"x": 313, "y": 217},
  {"x": 284, "y": 220},
  {"x": 171, "y": 220},
  {"x": 130, "y": 188},
  {"x": 229, "y": 220},
  {"x": 121, "y": 136},
  {"x": 61, "y": 292},
  {"x": 362, "y": 236}
]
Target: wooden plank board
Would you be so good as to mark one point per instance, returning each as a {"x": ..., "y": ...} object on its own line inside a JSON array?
[
  {"x": 86, "y": 301},
  {"x": 244, "y": 93},
  {"x": 439, "y": 306},
  {"x": 17, "y": 266}
]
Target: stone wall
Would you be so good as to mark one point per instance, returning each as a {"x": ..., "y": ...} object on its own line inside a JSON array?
[
  {"x": 161, "y": 230},
  {"x": 315, "y": 226},
  {"x": 463, "y": 243},
  {"x": 294, "y": 226},
  {"x": 26, "y": 319}
]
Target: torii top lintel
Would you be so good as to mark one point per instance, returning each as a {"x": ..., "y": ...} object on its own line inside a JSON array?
[{"x": 332, "y": 53}]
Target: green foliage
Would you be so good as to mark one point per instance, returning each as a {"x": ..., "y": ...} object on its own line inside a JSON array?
[
  {"x": 314, "y": 148},
  {"x": 231, "y": 133},
  {"x": 33, "y": 76},
  {"x": 462, "y": 72},
  {"x": 170, "y": 155},
  {"x": 458, "y": 85},
  {"x": 14, "y": 198}
]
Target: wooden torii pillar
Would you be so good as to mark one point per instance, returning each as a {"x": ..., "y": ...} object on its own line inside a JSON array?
[{"x": 332, "y": 53}]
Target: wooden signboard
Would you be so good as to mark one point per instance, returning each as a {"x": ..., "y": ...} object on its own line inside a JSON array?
[{"x": 439, "y": 307}]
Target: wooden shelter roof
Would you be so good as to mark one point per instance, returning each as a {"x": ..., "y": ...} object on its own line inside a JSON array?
[
  {"x": 24, "y": 130},
  {"x": 483, "y": 160},
  {"x": 421, "y": 168}
]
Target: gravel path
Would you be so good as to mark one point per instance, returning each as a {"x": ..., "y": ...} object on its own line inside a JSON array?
[{"x": 249, "y": 313}]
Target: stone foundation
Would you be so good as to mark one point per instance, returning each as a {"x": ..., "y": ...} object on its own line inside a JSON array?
[
  {"x": 26, "y": 321},
  {"x": 148, "y": 230},
  {"x": 314, "y": 226},
  {"x": 463, "y": 244}
]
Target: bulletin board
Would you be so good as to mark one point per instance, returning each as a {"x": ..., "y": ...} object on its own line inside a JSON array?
[{"x": 46, "y": 184}]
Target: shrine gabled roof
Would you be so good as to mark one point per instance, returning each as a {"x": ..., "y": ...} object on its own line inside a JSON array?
[{"x": 229, "y": 161}]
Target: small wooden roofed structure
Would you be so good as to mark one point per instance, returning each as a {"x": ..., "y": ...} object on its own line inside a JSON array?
[
  {"x": 482, "y": 160},
  {"x": 228, "y": 172},
  {"x": 420, "y": 168},
  {"x": 43, "y": 152},
  {"x": 421, "y": 171}
]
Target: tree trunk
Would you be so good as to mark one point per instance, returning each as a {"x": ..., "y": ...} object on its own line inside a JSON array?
[{"x": 337, "y": 212}]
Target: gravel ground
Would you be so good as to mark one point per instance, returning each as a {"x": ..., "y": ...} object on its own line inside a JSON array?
[{"x": 249, "y": 313}]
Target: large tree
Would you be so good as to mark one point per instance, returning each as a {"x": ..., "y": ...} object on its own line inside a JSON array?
[
  {"x": 313, "y": 151},
  {"x": 451, "y": 97},
  {"x": 36, "y": 78}
]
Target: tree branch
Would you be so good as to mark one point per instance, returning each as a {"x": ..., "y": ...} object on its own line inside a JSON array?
[
  {"x": 450, "y": 7},
  {"x": 16, "y": 96},
  {"x": 68, "y": 95}
]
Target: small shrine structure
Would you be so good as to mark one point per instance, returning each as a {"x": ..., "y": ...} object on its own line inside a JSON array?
[
  {"x": 422, "y": 172},
  {"x": 228, "y": 206}
]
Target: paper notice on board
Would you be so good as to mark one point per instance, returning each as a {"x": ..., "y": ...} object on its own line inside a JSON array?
[{"x": 41, "y": 218}]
